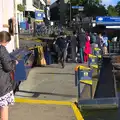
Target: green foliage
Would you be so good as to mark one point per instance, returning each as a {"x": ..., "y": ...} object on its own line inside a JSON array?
[
  {"x": 117, "y": 7},
  {"x": 21, "y": 7},
  {"x": 91, "y": 7},
  {"x": 112, "y": 11}
]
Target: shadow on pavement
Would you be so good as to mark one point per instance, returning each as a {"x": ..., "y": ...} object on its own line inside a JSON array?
[
  {"x": 58, "y": 73},
  {"x": 37, "y": 94}
]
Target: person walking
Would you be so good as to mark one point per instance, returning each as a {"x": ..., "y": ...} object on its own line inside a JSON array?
[
  {"x": 99, "y": 41},
  {"x": 6, "y": 67},
  {"x": 93, "y": 37},
  {"x": 74, "y": 47},
  {"x": 105, "y": 43},
  {"x": 61, "y": 44},
  {"x": 81, "y": 44}
]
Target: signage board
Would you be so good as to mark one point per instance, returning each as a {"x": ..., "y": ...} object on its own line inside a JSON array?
[
  {"x": 107, "y": 20},
  {"x": 39, "y": 15},
  {"x": 78, "y": 7}
]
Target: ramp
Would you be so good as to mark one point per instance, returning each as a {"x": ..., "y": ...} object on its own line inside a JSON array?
[{"x": 106, "y": 84}]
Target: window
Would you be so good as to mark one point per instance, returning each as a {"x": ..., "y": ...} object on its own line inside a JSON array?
[
  {"x": 17, "y": 16},
  {"x": 41, "y": 6},
  {"x": 36, "y": 3},
  {"x": 21, "y": 17},
  {"x": 24, "y": 2}
]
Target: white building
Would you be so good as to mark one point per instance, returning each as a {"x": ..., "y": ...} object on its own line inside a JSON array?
[
  {"x": 32, "y": 5},
  {"x": 8, "y": 11},
  {"x": 19, "y": 14}
]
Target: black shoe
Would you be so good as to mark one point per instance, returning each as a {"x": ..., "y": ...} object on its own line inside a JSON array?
[{"x": 63, "y": 64}]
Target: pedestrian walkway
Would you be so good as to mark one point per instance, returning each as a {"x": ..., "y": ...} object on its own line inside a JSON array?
[
  {"x": 28, "y": 109},
  {"x": 55, "y": 90},
  {"x": 50, "y": 83}
]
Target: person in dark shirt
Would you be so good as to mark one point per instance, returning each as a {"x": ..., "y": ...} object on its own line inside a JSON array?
[
  {"x": 6, "y": 66},
  {"x": 61, "y": 43},
  {"x": 74, "y": 47},
  {"x": 81, "y": 44}
]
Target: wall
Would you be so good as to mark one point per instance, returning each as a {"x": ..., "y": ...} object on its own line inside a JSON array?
[{"x": 7, "y": 12}]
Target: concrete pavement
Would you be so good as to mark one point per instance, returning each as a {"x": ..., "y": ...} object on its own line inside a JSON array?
[
  {"x": 23, "y": 111},
  {"x": 47, "y": 83},
  {"x": 50, "y": 83}
]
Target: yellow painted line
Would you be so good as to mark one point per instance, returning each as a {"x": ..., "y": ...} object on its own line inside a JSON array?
[
  {"x": 49, "y": 102},
  {"x": 77, "y": 113},
  {"x": 89, "y": 82}
]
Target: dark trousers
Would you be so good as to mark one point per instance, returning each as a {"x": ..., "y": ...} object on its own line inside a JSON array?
[
  {"x": 74, "y": 54},
  {"x": 61, "y": 55},
  {"x": 81, "y": 50}
]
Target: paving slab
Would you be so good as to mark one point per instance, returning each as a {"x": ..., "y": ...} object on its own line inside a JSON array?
[{"x": 23, "y": 111}]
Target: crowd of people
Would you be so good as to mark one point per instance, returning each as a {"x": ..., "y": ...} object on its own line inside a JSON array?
[{"x": 81, "y": 44}]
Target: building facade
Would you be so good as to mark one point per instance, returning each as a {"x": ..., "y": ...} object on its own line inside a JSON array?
[
  {"x": 19, "y": 14},
  {"x": 32, "y": 5},
  {"x": 8, "y": 11}
]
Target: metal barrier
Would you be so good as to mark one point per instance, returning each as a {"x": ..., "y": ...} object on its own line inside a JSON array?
[
  {"x": 92, "y": 61},
  {"x": 114, "y": 47},
  {"x": 25, "y": 59},
  {"x": 39, "y": 56},
  {"x": 82, "y": 75},
  {"x": 97, "y": 52}
]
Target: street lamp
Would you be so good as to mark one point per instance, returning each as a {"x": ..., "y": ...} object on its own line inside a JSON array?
[{"x": 69, "y": 2}]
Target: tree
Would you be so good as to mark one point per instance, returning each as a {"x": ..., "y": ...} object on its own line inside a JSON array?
[
  {"x": 21, "y": 7},
  {"x": 112, "y": 11},
  {"x": 117, "y": 7},
  {"x": 89, "y": 7}
]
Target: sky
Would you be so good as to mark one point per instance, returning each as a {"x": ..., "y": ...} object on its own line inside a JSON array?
[{"x": 106, "y": 2}]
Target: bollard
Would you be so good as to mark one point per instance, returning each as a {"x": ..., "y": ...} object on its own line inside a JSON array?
[{"x": 79, "y": 94}]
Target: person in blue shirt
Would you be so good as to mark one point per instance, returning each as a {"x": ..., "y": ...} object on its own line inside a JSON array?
[
  {"x": 105, "y": 42},
  {"x": 105, "y": 39}
]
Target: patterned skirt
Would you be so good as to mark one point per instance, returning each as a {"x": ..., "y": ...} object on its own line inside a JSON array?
[{"x": 7, "y": 99}]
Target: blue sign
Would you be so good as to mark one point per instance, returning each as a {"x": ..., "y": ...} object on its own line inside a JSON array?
[
  {"x": 107, "y": 20},
  {"x": 85, "y": 75},
  {"x": 39, "y": 15},
  {"x": 77, "y": 7}
]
